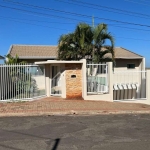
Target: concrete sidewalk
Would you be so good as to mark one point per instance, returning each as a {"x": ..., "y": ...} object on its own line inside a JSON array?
[{"x": 58, "y": 106}]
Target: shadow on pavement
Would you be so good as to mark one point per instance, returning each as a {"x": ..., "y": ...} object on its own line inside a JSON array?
[{"x": 55, "y": 146}]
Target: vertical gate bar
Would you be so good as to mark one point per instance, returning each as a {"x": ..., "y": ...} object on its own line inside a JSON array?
[
  {"x": 107, "y": 77},
  {"x": 14, "y": 96},
  {"x": 2, "y": 82},
  {"x": 21, "y": 68},
  {"x": 21, "y": 81},
  {"x": 26, "y": 83},
  {"x": 14, "y": 80},
  {"x": 44, "y": 80},
  {"x": 18, "y": 82},
  {"x": 6, "y": 83},
  {"x": 10, "y": 85},
  {"x": 12, "y": 70},
  {"x": 28, "y": 80},
  {"x": 9, "y": 79}
]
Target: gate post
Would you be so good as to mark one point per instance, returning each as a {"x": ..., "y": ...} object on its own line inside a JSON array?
[
  {"x": 148, "y": 86},
  {"x": 84, "y": 79},
  {"x": 110, "y": 80}
]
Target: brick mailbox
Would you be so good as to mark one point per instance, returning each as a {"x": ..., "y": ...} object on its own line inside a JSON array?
[{"x": 73, "y": 81}]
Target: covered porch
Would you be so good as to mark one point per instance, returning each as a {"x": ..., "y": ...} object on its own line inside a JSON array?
[{"x": 64, "y": 78}]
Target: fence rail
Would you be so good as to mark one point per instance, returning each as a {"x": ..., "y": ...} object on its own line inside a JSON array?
[
  {"x": 129, "y": 85},
  {"x": 21, "y": 81}
]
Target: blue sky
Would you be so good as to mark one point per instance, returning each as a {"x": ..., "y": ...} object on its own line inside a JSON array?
[{"x": 42, "y": 22}]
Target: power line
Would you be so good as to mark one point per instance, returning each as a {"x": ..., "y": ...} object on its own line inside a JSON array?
[
  {"x": 108, "y": 9},
  {"x": 23, "y": 21},
  {"x": 33, "y": 20},
  {"x": 82, "y": 15},
  {"x": 128, "y": 28},
  {"x": 137, "y": 2},
  {"x": 127, "y": 38},
  {"x": 39, "y": 13},
  {"x": 37, "y": 24}
]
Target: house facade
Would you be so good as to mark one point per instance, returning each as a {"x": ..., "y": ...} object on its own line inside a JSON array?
[{"x": 81, "y": 80}]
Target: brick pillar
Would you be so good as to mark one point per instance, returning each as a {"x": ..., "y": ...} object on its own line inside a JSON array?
[{"x": 73, "y": 81}]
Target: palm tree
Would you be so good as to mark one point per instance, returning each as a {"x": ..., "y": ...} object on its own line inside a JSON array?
[
  {"x": 86, "y": 42},
  {"x": 76, "y": 45},
  {"x": 83, "y": 37},
  {"x": 100, "y": 49},
  {"x": 66, "y": 49}
]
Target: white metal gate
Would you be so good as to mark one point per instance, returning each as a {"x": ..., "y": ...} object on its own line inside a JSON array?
[
  {"x": 129, "y": 85},
  {"x": 97, "y": 78},
  {"x": 21, "y": 82}
]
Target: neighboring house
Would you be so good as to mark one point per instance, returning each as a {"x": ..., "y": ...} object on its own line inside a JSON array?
[
  {"x": 1, "y": 57},
  {"x": 125, "y": 59}
]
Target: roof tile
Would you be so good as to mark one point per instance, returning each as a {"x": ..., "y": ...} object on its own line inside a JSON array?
[{"x": 41, "y": 51}]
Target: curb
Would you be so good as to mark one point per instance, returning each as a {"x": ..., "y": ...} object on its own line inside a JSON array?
[{"x": 72, "y": 112}]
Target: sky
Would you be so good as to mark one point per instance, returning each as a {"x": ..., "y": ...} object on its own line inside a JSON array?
[{"x": 42, "y": 22}]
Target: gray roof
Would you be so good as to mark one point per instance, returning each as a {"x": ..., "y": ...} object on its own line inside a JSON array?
[
  {"x": 124, "y": 53},
  {"x": 49, "y": 52},
  {"x": 1, "y": 57},
  {"x": 33, "y": 51}
]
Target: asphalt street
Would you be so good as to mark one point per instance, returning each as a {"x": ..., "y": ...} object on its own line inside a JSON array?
[{"x": 101, "y": 132}]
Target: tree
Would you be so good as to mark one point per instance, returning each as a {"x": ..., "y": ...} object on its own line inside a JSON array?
[
  {"x": 86, "y": 42},
  {"x": 76, "y": 45},
  {"x": 100, "y": 49},
  {"x": 13, "y": 60}
]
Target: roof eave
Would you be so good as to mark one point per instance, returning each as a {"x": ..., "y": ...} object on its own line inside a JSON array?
[
  {"x": 129, "y": 57},
  {"x": 37, "y": 57}
]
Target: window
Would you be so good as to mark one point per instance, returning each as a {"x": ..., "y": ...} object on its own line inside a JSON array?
[{"x": 131, "y": 66}]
